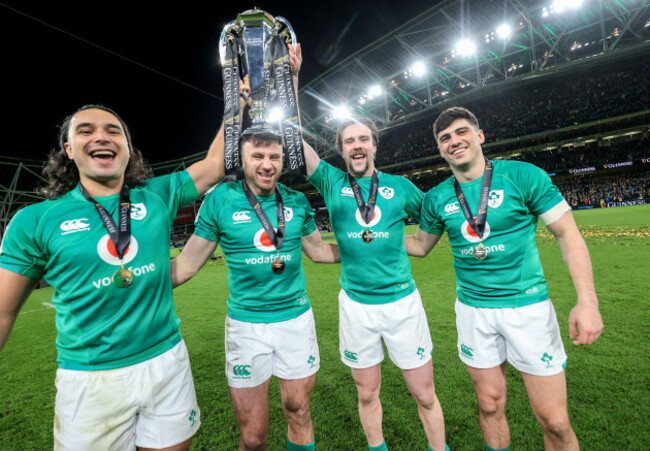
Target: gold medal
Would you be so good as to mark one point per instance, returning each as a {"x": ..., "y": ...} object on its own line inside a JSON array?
[
  {"x": 278, "y": 265},
  {"x": 480, "y": 252},
  {"x": 367, "y": 235},
  {"x": 123, "y": 278}
]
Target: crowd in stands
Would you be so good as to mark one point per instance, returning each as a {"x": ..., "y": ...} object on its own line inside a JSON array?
[{"x": 599, "y": 190}]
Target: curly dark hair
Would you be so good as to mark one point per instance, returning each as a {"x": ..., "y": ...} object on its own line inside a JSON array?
[{"x": 62, "y": 174}]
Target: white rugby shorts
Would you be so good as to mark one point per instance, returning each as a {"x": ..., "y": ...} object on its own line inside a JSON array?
[
  {"x": 528, "y": 337},
  {"x": 151, "y": 404},
  {"x": 257, "y": 351},
  {"x": 401, "y": 325}
]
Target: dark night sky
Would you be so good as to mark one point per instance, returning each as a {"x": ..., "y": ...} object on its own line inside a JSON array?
[{"x": 157, "y": 65}]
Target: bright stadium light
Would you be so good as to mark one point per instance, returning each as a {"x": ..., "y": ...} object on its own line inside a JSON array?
[
  {"x": 465, "y": 47},
  {"x": 418, "y": 69},
  {"x": 341, "y": 112},
  {"x": 504, "y": 31},
  {"x": 374, "y": 91},
  {"x": 562, "y": 5},
  {"x": 276, "y": 115}
]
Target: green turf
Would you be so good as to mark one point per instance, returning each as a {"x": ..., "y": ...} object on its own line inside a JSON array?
[{"x": 607, "y": 382}]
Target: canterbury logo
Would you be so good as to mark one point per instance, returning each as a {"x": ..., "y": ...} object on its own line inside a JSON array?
[
  {"x": 350, "y": 355},
  {"x": 74, "y": 224},
  {"x": 347, "y": 191},
  {"x": 241, "y": 216},
  {"x": 241, "y": 370},
  {"x": 452, "y": 208}
]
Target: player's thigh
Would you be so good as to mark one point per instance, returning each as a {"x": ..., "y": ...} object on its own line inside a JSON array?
[
  {"x": 295, "y": 392},
  {"x": 295, "y": 347},
  {"x": 368, "y": 381},
  {"x": 406, "y": 332},
  {"x": 360, "y": 343},
  {"x": 249, "y": 353},
  {"x": 489, "y": 383},
  {"x": 169, "y": 413},
  {"x": 547, "y": 395},
  {"x": 94, "y": 410},
  {"x": 480, "y": 344},
  {"x": 251, "y": 407},
  {"x": 534, "y": 344}
]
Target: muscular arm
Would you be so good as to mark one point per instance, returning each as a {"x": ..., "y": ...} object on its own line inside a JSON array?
[
  {"x": 585, "y": 321},
  {"x": 209, "y": 171},
  {"x": 193, "y": 256},
  {"x": 14, "y": 293},
  {"x": 318, "y": 250},
  {"x": 420, "y": 244}
]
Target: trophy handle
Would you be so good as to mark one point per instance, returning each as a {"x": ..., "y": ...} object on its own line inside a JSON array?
[
  {"x": 223, "y": 40},
  {"x": 288, "y": 26}
]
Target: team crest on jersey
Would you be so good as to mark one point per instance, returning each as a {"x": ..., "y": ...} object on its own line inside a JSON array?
[
  {"x": 347, "y": 191},
  {"x": 138, "y": 211},
  {"x": 495, "y": 199},
  {"x": 263, "y": 242},
  {"x": 241, "y": 217},
  {"x": 106, "y": 250},
  {"x": 288, "y": 214},
  {"x": 376, "y": 217},
  {"x": 470, "y": 235},
  {"x": 452, "y": 208},
  {"x": 74, "y": 225},
  {"x": 386, "y": 192}
]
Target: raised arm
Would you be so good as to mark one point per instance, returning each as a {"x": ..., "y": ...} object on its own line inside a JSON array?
[
  {"x": 318, "y": 250},
  {"x": 14, "y": 293},
  {"x": 585, "y": 321},
  {"x": 420, "y": 244},
  {"x": 193, "y": 256},
  {"x": 209, "y": 171}
]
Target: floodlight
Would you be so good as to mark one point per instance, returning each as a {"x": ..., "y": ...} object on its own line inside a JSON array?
[
  {"x": 341, "y": 112},
  {"x": 466, "y": 47},
  {"x": 504, "y": 31},
  {"x": 374, "y": 91},
  {"x": 418, "y": 68},
  {"x": 561, "y": 5}
]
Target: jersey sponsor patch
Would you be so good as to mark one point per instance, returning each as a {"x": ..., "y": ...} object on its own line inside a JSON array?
[
  {"x": 495, "y": 199},
  {"x": 241, "y": 217},
  {"x": 452, "y": 208},
  {"x": 138, "y": 211},
  {"x": 107, "y": 252},
  {"x": 74, "y": 225},
  {"x": 376, "y": 217},
  {"x": 470, "y": 235},
  {"x": 386, "y": 192},
  {"x": 347, "y": 191},
  {"x": 263, "y": 242}
]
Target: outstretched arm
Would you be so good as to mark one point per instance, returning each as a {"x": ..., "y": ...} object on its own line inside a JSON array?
[
  {"x": 209, "y": 171},
  {"x": 14, "y": 293},
  {"x": 420, "y": 244},
  {"x": 193, "y": 256},
  {"x": 318, "y": 250},
  {"x": 585, "y": 321}
]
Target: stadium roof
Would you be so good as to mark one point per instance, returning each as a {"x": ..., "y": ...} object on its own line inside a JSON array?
[{"x": 543, "y": 35}]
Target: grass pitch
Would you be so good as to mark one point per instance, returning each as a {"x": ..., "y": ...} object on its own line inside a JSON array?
[{"x": 607, "y": 382}]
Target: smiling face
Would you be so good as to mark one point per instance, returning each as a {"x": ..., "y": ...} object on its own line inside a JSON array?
[
  {"x": 359, "y": 149},
  {"x": 460, "y": 145},
  {"x": 98, "y": 145},
  {"x": 262, "y": 163}
]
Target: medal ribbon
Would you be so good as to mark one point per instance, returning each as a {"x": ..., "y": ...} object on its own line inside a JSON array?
[
  {"x": 481, "y": 218},
  {"x": 121, "y": 236},
  {"x": 286, "y": 97},
  {"x": 276, "y": 238},
  {"x": 366, "y": 210},
  {"x": 232, "y": 126}
]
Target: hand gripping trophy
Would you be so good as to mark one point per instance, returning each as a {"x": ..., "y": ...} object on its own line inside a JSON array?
[{"x": 255, "y": 44}]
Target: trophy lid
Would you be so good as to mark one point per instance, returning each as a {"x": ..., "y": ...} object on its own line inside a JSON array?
[{"x": 255, "y": 18}]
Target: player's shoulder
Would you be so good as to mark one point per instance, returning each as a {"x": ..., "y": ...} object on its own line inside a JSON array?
[
  {"x": 441, "y": 188},
  {"x": 516, "y": 168},
  {"x": 289, "y": 194},
  {"x": 47, "y": 210}
]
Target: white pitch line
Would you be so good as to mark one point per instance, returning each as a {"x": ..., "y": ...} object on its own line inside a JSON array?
[{"x": 47, "y": 307}]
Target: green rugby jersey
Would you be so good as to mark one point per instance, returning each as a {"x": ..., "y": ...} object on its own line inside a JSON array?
[
  {"x": 377, "y": 272},
  {"x": 257, "y": 294},
  {"x": 512, "y": 274},
  {"x": 99, "y": 325}
]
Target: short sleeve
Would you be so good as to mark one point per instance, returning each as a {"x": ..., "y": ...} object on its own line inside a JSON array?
[
  {"x": 206, "y": 224},
  {"x": 309, "y": 225},
  {"x": 20, "y": 251},
  {"x": 429, "y": 221}
]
